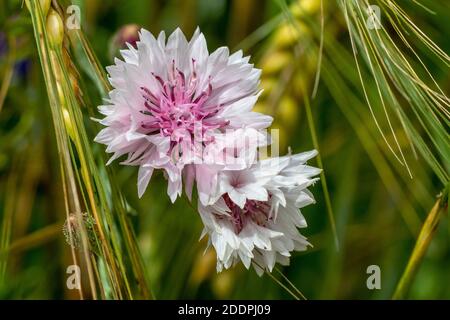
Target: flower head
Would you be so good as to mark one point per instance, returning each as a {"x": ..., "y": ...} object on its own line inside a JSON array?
[
  {"x": 254, "y": 215},
  {"x": 173, "y": 102}
]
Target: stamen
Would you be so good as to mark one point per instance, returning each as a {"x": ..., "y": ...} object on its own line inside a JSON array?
[
  {"x": 255, "y": 211},
  {"x": 174, "y": 109}
]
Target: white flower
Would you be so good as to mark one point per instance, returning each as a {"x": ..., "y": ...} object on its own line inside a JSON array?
[
  {"x": 255, "y": 214},
  {"x": 172, "y": 101}
]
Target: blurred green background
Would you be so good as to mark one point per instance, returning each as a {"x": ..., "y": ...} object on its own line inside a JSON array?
[{"x": 378, "y": 208}]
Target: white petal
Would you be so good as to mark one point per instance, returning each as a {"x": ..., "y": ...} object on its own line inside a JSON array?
[{"x": 144, "y": 177}]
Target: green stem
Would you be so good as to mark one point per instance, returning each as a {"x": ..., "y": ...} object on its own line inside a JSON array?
[
  {"x": 320, "y": 164},
  {"x": 425, "y": 236},
  {"x": 119, "y": 204}
]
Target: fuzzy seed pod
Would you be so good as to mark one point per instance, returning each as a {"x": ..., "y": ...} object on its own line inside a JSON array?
[
  {"x": 72, "y": 230},
  {"x": 55, "y": 28}
]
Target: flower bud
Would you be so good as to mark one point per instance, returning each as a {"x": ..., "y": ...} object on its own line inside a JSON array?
[
  {"x": 45, "y": 5},
  {"x": 128, "y": 33},
  {"x": 55, "y": 28}
]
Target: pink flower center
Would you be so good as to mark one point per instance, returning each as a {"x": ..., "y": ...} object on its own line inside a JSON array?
[
  {"x": 178, "y": 111},
  {"x": 256, "y": 211}
]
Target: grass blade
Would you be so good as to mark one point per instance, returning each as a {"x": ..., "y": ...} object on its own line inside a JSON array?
[{"x": 426, "y": 235}]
